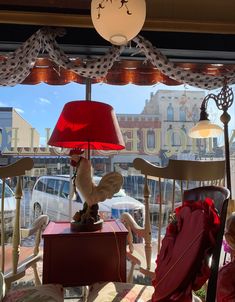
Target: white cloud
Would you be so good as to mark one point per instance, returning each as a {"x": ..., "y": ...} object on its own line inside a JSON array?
[
  {"x": 19, "y": 110},
  {"x": 44, "y": 101},
  {"x": 3, "y": 104}
]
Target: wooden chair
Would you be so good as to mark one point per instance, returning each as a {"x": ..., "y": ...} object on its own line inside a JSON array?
[
  {"x": 183, "y": 175},
  {"x": 220, "y": 196},
  {"x": 116, "y": 291},
  {"x": 16, "y": 259}
]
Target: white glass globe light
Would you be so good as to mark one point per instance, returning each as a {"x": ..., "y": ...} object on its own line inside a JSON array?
[{"x": 118, "y": 21}]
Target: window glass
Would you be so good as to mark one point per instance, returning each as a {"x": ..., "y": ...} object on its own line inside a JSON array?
[
  {"x": 53, "y": 186},
  {"x": 151, "y": 139},
  {"x": 170, "y": 112},
  {"x": 182, "y": 113},
  {"x": 8, "y": 191},
  {"x": 41, "y": 185},
  {"x": 154, "y": 122},
  {"x": 65, "y": 189}
]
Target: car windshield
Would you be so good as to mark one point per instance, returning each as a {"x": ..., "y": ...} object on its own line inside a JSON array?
[{"x": 8, "y": 191}]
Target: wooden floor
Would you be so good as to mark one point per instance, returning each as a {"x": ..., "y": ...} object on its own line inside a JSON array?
[{"x": 71, "y": 294}]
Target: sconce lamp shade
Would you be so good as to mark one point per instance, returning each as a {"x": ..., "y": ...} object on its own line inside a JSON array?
[
  {"x": 204, "y": 129},
  {"x": 87, "y": 125},
  {"x": 118, "y": 22}
]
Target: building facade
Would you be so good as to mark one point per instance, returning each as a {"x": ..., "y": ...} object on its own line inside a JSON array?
[
  {"x": 160, "y": 131},
  {"x": 16, "y": 132}
]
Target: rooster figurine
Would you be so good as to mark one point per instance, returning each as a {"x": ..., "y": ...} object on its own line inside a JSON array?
[{"x": 92, "y": 193}]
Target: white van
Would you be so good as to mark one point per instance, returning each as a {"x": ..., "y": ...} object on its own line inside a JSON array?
[
  {"x": 50, "y": 196},
  {"x": 9, "y": 208}
]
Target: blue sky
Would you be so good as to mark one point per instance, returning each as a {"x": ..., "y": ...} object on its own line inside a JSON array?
[{"x": 41, "y": 104}]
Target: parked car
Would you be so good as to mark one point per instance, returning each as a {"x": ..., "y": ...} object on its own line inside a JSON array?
[
  {"x": 9, "y": 208},
  {"x": 134, "y": 186},
  {"x": 50, "y": 196}
]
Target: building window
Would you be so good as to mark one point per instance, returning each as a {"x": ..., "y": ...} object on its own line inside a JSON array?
[
  {"x": 150, "y": 139},
  {"x": 195, "y": 113},
  {"x": 170, "y": 112},
  {"x": 182, "y": 113},
  {"x": 171, "y": 135},
  {"x": 183, "y": 128}
]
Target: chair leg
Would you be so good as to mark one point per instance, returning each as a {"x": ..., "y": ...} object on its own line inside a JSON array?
[
  {"x": 36, "y": 276},
  {"x": 131, "y": 272},
  {"x": 7, "y": 285},
  {"x": 85, "y": 293}
]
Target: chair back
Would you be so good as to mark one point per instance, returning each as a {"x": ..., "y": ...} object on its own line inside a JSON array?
[
  {"x": 163, "y": 189},
  {"x": 192, "y": 245},
  {"x": 14, "y": 258},
  {"x": 167, "y": 184},
  {"x": 220, "y": 196},
  {"x": 14, "y": 170},
  {"x": 2, "y": 286}
]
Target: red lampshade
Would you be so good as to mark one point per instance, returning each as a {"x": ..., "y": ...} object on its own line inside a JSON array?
[{"x": 87, "y": 124}]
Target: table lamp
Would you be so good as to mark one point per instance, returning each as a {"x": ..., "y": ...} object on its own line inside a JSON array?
[{"x": 89, "y": 125}]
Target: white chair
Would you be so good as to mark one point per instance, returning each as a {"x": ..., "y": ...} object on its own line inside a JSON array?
[
  {"x": 183, "y": 174},
  {"x": 16, "y": 259}
]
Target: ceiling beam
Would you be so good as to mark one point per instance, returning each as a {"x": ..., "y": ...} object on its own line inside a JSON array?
[{"x": 84, "y": 21}]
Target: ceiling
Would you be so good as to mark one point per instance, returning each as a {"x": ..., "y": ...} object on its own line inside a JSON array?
[{"x": 185, "y": 31}]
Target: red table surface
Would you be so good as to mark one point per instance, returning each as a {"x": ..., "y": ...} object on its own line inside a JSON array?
[
  {"x": 82, "y": 258},
  {"x": 63, "y": 227}
]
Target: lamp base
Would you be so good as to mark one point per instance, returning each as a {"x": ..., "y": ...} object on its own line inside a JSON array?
[
  {"x": 87, "y": 219},
  {"x": 78, "y": 226}
]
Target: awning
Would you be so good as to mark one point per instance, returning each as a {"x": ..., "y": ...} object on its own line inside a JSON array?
[{"x": 122, "y": 73}]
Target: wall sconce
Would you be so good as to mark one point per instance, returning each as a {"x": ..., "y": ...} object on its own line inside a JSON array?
[
  {"x": 118, "y": 21},
  {"x": 204, "y": 128}
]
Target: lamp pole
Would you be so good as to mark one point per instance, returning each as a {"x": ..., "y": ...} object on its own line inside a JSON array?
[
  {"x": 88, "y": 98},
  {"x": 223, "y": 101}
]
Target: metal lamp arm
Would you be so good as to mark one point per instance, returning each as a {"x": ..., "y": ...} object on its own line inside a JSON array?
[
  {"x": 203, "y": 114},
  {"x": 223, "y": 101}
]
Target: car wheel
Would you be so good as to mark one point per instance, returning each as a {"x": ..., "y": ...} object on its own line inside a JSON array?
[{"x": 37, "y": 211}]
